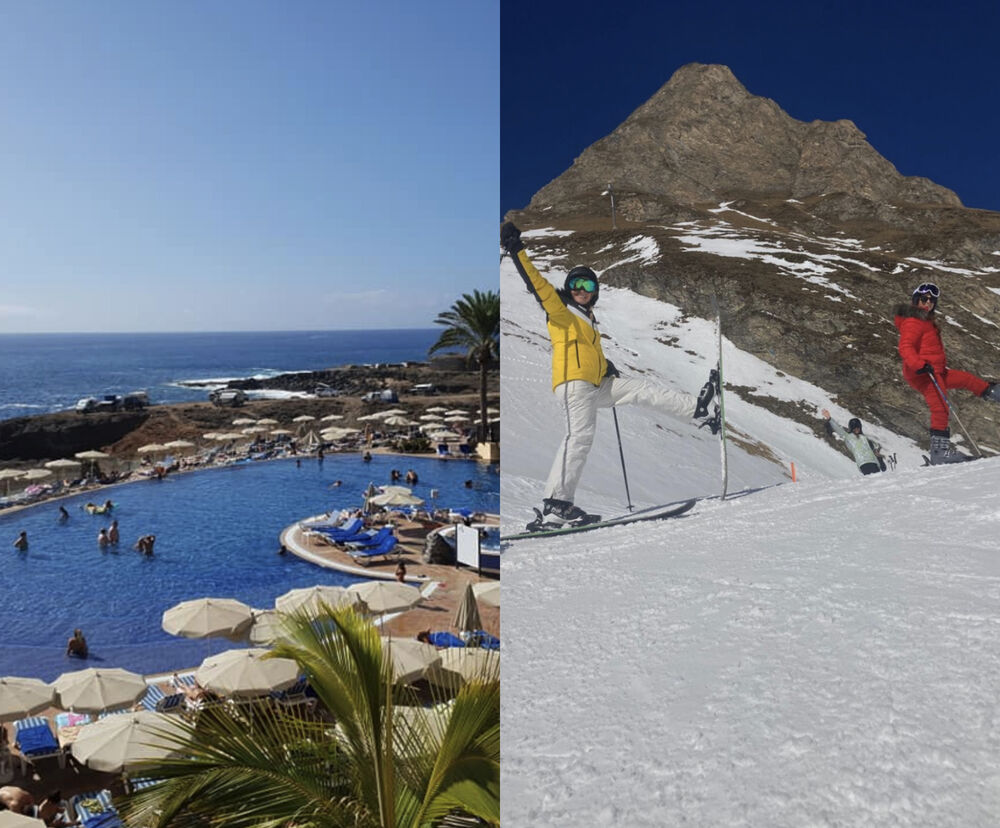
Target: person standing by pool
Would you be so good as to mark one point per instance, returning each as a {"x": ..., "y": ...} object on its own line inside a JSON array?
[
  {"x": 21, "y": 543},
  {"x": 77, "y": 645}
]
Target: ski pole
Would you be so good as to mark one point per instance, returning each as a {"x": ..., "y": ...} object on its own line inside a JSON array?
[
  {"x": 621, "y": 453},
  {"x": 951, "y": 408}
]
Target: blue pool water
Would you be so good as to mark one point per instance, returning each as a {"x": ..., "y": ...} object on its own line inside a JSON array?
[{"x": 217, "y": 535}]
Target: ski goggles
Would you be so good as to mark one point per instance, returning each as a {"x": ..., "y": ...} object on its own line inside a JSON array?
[
  {"x": 928, "y": 289},
  {"x": 580, "y": 283}
]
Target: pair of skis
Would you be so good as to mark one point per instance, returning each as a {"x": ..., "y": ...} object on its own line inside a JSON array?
[{"x": 712, "y": 390}]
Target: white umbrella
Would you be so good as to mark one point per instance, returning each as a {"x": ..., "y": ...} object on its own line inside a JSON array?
[
  {"x": 267, "y": 421},
  {"x": 436, "y": 409},
  {"x": 244, "y": 421},
  {"x": 6, "y": 475},
  {"x": 392, "y": 412},
  {"x": 92, "y": 454},
  {"x": 207, "y": 617},
  {"x": 36, "y": 474},
  {"x": 309, "y": 599},
  {"x": 386, "y": 596},
  {"x": 151, "y": 448},
  {"x": 179, "y": 444},
  {"x": 246, "y": 673},
  {"x": 397, "y": 420},
  {"x": 229, "y": 436},
  {"x": 62, "y": 464},
  {"x": 21, "y": 697},
  {"x": 457, "y": 418},
  {"x": 391, "y": 488},
  {"x": 411, "y": 659},
  {"x": 445, "y": 435},
  {"x": 457, "y": 412},
  {"x": 210, "y": 435},
  {"x": 251, "y": 430},
  {"x": 266, "y": 628},
  {"x": 331, "y": 418},
  {"x": 396, "y": 499},
  {"x": 123, "y": 742},
  {"x": 488, "y": 592},
  {"x": 303, "y": 418},
  {"x": 278, "y": 432},
  {"x": 431, "y": 417},
  {"x": 467, "y": 615},
  {"x": 471, "y": 663},
  {"x": 97, "y": 689}
]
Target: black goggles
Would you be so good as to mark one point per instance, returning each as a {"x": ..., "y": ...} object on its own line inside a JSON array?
[
  {"x": 928, "y": 289},
  {"x": 580, "y": 283}
]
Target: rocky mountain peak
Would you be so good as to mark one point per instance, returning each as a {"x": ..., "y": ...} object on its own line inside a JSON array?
[{"x": 704, "y": 137}]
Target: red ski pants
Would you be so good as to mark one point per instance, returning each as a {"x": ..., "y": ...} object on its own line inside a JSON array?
[{"x": 949, "y": 380}]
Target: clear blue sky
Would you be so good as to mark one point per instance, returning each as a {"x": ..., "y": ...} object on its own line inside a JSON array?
[
  {"x": 920, "y": 79},
  {"x": 247, "y": 165}
]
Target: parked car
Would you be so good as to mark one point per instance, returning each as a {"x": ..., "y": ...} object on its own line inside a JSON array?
[
  {"x": 228, "y": 397},
  {"x": 135, "y": 401},
  {"x": 86, "y": 405},
  {"x": 425, "y": 389},
  {"x": 110, "y": 402},
  {"x": 385, "y": 395},
  {"x": 324, "y": 390}
]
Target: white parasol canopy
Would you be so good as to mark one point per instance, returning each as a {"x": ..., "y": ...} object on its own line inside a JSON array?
[
  {"x": 95, "y": 690},
  {"x": 246, "y": 673},
  {"x": 331, "y": 418},
  {"x": 386, "y": 596},
  {"x": 179, "y": 444},
  {"x": 92, "y": 454},
  {"x": 488, "y": 592},
  {"x": 207, "y": 617},
  {"x": 303, "y": 418},
  {"x": 308, "y": 599},
  {"x": 62, "y": 463},
  {"x": 411, "y": 659},
  {"x": 122, "y": 742},
  {"x": 469, "y": 663},
  {"x": 21, "y": 697},
  {"x": 151, "y": 448}
]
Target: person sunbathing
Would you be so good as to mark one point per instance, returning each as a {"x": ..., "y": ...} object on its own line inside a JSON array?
[{"x": 16, "y": 799}]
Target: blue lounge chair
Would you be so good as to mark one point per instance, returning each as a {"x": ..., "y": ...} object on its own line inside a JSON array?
[
  {"x": 357, "y": 537},
  {"x": 481, "y": 638},
  {"x": 465, "y": 448},
  {"x": 351, "y": 527},
  {"x": 35, "y": 740},
  {"x": 94, "y": 810},
  {"x": 443, "y": 450},
  {"x": 377, "y": 539},
  {"x": 159, "y": 702},
  {"x": 382, "y": 550}
]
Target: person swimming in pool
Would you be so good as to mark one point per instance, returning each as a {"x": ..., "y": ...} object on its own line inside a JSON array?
[
  {"x": 77, "y": 645},
  {"x": 102, "y": 538},
  {"x": 21, "y": 543},
  {"x": 113, "y": 534}
]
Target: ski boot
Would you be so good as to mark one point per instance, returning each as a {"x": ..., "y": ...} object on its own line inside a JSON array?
[
  {"x": 942, "y": 451},
  {"x": 557, "y": 514},
  {"x": 992, "y": 393}
]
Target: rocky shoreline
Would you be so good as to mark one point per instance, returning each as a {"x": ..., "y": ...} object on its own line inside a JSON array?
[{"x": 28, "y": 441}]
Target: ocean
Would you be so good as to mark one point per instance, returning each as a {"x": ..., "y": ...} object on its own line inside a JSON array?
[{"x": 41, "y": 373}]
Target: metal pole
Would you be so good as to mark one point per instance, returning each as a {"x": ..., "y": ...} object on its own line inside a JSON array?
[
  {"x": 951, "y": 408},
  {"x": 621, "y": 454}
]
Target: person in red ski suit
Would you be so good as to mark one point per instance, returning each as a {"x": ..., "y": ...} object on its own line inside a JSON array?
[{"x": 924, "y": 361}]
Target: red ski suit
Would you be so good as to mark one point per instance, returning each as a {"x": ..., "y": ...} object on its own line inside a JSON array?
[{"x": 920, "y": 343}]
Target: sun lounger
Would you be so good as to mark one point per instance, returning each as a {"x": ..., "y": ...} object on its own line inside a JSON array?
[
  {"x": 376, "y": 540},
  {"x": 443, "y": 450},
  {"x": 381, "y": 551},
  {"x": 35, "y": 740},
  {"x": 481, "y": 638},
  {"x": 296, "y": 694},
  {"x": 348, "y": 530},
  {"x": 445, "y": 639},
  {"x": 94, "y": 810}
]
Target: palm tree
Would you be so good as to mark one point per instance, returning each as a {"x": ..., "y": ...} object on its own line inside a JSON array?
[
  {"x": 374, "y": 767},
  {"x": 473, "y": 324}
]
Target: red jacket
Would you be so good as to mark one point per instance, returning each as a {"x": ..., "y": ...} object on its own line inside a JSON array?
[{"x": 919, "y": 341}]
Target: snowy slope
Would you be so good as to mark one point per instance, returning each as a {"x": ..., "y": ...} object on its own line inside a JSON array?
[{"x": 820, "y": 653}]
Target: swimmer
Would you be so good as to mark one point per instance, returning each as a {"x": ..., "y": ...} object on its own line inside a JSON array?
[
  {"x": 102, "y": 537},
  {"x": 77, "y": 645},
  {"x": 63, "y": 514},
  {"x": 21, "y": 544},
  {"x": 113, "y": 533}
]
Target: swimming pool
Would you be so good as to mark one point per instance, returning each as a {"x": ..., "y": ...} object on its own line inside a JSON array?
[{"x": 216, "y": 535}]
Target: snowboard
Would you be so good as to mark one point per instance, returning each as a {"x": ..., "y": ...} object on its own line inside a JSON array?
[{"x": 668, "y": 510}]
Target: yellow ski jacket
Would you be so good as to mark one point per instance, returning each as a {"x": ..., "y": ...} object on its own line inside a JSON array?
[{"x": 576, "y": 341}]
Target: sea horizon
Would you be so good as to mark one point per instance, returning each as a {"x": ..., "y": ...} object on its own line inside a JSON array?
[{"x": 45, "y": 372}]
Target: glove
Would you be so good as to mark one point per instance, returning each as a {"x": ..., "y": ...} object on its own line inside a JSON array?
[
  {"x": 927, "y": 369},
  {"x": 510, "y": 238},
  {"x": 611, "y": 371}
]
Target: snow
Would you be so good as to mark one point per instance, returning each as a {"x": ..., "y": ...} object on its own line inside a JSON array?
[{"x": 818, "y": 653}]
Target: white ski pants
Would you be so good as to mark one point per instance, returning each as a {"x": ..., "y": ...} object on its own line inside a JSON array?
[{"x": 581, "y": 400}]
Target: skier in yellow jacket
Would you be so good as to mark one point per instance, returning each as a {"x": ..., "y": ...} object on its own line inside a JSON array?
[{"x": 581, "y": 375}]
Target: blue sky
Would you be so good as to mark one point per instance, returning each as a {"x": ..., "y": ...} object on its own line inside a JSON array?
[
  {"x": 173, "y": 166},
  {"x": 920, "y": 79}
]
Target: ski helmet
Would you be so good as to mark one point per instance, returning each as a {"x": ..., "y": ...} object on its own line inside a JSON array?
[
  {"x": 581, "y": 274},
  {"x": 855, "y": 423},
  {"x": 928, "y": 290}
]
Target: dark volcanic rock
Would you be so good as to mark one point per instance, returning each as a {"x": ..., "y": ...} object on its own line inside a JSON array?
[{"x": 64, "y": 434}]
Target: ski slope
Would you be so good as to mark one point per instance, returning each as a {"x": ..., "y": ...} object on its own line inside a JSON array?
[{"x": 819, "y": 653}]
